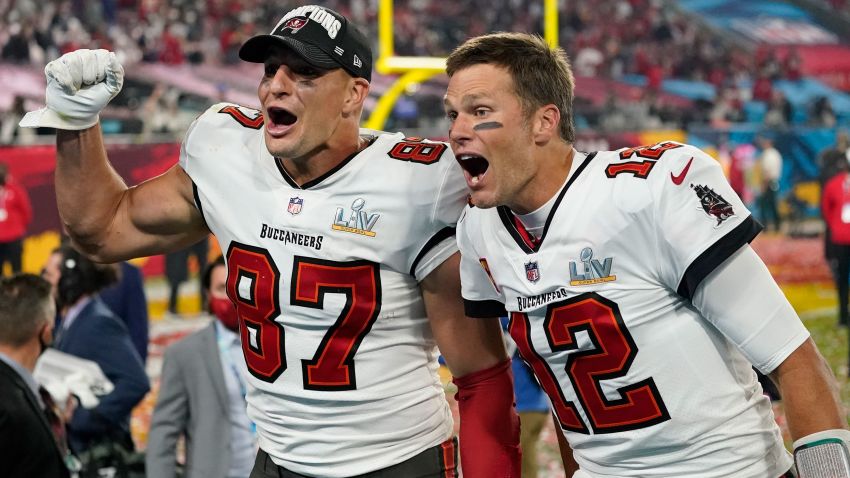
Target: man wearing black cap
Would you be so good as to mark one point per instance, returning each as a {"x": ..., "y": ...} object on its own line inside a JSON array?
[{"x": 340, "y": 249}]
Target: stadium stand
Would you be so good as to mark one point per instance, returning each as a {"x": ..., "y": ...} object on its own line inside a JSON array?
[{"x": 711, "y": 70}]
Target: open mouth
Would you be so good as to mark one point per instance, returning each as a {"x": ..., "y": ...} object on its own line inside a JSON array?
[
  {"x": 474, "y": 165},
  {"x": 281, "y": 117}
]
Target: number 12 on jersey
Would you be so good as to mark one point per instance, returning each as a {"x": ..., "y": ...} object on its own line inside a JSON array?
[
  {"x": 612, "y": 354},
  {"x": 253, "y": 284}
]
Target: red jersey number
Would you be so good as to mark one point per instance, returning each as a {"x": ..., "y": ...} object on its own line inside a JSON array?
[
  {"x": 640, "y": 404},
  {"x": 253, "y": 284},
  {"x": 253, "y": 122},
  {"x": 649, "y": 152},
  {"x": 640, "y": 169},
  {"x": 332, "y": 367},
  {"x": 416, "y": 151}
]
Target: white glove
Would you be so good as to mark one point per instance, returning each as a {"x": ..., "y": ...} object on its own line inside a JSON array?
[{"x": 79, "y": 85}]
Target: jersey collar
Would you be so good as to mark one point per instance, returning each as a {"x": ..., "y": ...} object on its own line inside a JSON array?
[
  {"x": 525, "y": 240},
  {"x": 370, "y": 140}
]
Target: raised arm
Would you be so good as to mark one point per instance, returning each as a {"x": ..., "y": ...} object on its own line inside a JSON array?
[
  {"x": 107, "y": 220},
  {"x": 475, "y": 353},
  {"x": 111, "y": 222}
]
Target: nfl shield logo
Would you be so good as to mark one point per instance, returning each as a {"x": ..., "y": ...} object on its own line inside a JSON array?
[
  {"x": 532, "y": 272},
  {"x": 294, "y": 206}
]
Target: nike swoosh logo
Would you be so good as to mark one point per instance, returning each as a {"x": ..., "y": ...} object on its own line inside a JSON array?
[{"x": 677, "y": 180}]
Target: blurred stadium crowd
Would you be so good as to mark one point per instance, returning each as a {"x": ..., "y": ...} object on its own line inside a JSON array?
[
  {"x": 637, "y": 42},
  {"x": 640, "y": 65},
  {"x": 172, "y": 33}
]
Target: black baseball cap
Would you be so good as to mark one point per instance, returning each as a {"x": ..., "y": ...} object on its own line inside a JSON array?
[{"x": 319, "y": 35}]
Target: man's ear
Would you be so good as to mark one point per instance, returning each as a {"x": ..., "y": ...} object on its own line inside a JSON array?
[
  {"x": 45, "y": 333},
  {"x": 546, "y": 124},
  {"x": 358, "y": 90}
]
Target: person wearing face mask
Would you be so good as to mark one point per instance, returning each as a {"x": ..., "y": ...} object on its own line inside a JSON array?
[
  {"x": 89, "y": 330},
  {"x": 202, "y": 396},
  {"x": 15, "y": 216},
  {"x": 31, "y": 446}
]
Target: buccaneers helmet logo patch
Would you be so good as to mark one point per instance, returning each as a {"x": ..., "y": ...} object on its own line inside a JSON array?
[
  {"x": 295, "y": 24},
  {"x": 713, "y": 204}
]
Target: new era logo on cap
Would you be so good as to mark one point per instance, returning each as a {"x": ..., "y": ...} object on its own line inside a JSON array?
[{"x": 321, "y": 36}]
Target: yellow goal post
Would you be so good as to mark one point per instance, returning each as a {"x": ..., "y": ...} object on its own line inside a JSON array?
[{"x": 418, "y": 69}]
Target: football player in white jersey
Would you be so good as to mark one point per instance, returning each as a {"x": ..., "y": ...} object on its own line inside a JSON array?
[
  {"x": 340, "y": 249},
  {"x": 632, "y": 290}
]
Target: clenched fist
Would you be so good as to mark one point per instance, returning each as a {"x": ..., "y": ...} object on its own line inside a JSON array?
[{"x": 79, "y": 85}]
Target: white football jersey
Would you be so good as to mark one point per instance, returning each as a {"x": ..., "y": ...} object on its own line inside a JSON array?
[
  {"x": 642, "y": 384},
  {"x": 342, "y": 361}
]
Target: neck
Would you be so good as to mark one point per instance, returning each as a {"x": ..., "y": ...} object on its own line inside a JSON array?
[
  {"x": 555, "y": 164},
  {"x": 325, "y": 157},
  {"x": 26, "y": 355}
]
